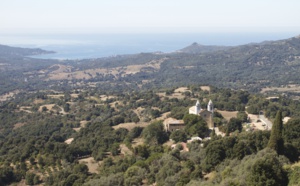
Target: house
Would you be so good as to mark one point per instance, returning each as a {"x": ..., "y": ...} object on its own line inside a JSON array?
[
  {"x": 196, "y": 138},
  {"x": 171, "y": 124}
]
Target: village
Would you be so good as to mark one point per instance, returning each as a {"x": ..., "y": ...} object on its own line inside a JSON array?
[
  {"x": 254, "y": 122},
  {"x": 181, "y": 120}
]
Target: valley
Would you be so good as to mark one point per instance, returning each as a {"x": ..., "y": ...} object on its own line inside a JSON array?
[
  {"x": 252, "y": 67},
  {"x": 203, "y": 115}
]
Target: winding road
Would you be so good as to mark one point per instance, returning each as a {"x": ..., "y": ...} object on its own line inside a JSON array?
[{"x": 265, "y": 120}]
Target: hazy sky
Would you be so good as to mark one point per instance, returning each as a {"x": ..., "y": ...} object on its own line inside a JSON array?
[{"x": 88, "y": 16}]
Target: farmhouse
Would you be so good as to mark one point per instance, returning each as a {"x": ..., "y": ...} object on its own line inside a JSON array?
[{"x": 171, "y": 124}]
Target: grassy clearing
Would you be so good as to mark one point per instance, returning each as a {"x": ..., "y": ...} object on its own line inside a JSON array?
[
  {"x": 38, "y": 101},
  {"x": 66, "y": 72},
  {"x": 56, "y": 96},
  {"x": 125, "y": 150},
  {"x": 181, "y": 89},
  {"x": 18, "y": 125},
  {"x": 105, "y": 97},
  {"x": 9, "y": 95},
  {"x": 130, "y": 126},
  {"x": 91, "y": 164},
  {"x": 205, "y": 88},
  {"x": 287, "y": 88},
  {"x": 26, "y": 109},
  {"x": 82, "y": 125},
  {"x": 48, "y": 106},
  {"x": 137, "y": 141},
  {"x": 69, "y": 141},
  {"x": 228, "y": 114}
]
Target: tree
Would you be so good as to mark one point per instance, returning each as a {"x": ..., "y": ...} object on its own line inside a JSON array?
[
  {"x": 36, "y": 179},
  {"x": 294, "y": 176},
  {"x": 135, "y": 132},
  {"x": 166, "y": 167},
  {"x": 135, "y": 119},
  {"x": 242, "y": 116},
  {"x": 267, "y": 171},
  {"x": 71, "y": 179},
  {"x": 240, "y": 150},
  {"x": 178, "y": 136},
  {"x": 41, "y": 161},
  {"x": 155, "y": 133},
  {"x": 155, "y": 113},
  {"x": 81, "y": 169},
  {"x": 6, "y": 175},
  {"x": 142, "y": 151},
  {"x": 32, "y": 160},
  {"x": 214, "y": 154},
  {"x": 195, "y": 125},
  {"x": 178, "y": 112},
  {"x": 29, "y": 178},
  {"x": 115, "y": 149},
  {"x": 67, "y": 107},
  {"x": 44, "y": 109},
  {"x": 291, "y": 136},
  {"x": 134, "y": 175},
  {"x": 118, "y": 119},
  {"x": 253, "y": 109},
  {"x": 112, "y": 179},
  {"x": 234, "y": 124},
  {"x": 276, "y": 141}
]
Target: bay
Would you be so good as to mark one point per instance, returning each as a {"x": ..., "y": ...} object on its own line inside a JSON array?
[{"x": 83, "y": 46}]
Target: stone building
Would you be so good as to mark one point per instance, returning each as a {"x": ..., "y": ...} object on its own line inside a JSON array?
[
  {"x": 171, "y": 124},
  {"x": 206, "y": 114}
]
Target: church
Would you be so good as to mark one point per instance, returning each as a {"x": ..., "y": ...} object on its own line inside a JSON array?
[{"x": 206, "y": 114}]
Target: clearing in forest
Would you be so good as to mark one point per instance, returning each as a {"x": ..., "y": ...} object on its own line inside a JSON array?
[
  {"x": 130, "y": 126},
  {"x": 228, "y": 114},
  {"x": 82, "y": 125},
  {"x": 125, "y": 150},
  {"x": 91, "y": 164},
  {"x": 137, "y": 141},
  {"x": 181, "y": 90},
  {"x": 69, "y": 141},
  {"x": 287, "y": 88},
  {"x": 48, "y": 106}
]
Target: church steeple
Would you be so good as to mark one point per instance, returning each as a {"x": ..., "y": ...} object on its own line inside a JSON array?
[
  {"x": 210, "y": 106},
  {"x": 198, "y": 107}
]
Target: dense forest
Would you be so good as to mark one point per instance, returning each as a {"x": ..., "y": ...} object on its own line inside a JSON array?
[{"x": 34, "y": 129}]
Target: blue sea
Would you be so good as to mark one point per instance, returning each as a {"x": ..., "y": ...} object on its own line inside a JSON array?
[{"x": 82, "y": 46}]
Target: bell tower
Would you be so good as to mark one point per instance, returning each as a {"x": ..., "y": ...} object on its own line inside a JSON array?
[
  {"x": 197, "y": 107},
  {"x": 210, "y": 106}
]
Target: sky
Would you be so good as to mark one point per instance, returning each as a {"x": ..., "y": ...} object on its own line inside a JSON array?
[{"x": 148, "y": 16}]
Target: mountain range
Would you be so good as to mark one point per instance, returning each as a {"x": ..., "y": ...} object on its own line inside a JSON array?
[{"x": 251, "y": 67}]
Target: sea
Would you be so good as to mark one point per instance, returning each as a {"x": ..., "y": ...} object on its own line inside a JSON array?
[{"x": 83, "y": 46}]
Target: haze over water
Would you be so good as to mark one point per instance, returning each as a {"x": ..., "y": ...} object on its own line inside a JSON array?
[{"x": 80, "y": 46}]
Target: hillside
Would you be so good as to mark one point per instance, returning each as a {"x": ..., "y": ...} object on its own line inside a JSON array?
[
  {"x": 196, "y": 48},
  {"x": 251, "y": 67},
  {"x": 98, "y": 137},
  {"x": 7, "y": 51},
  {"x": 100, "y": 121}
]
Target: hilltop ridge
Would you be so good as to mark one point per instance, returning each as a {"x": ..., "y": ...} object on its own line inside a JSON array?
[
  {"x": 251, "y": 67},
  {"x": 196, "y": 48},
  {"x": 9, "y": 51}
]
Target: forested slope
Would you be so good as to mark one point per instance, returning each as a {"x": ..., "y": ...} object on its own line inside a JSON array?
[{"x": 35, "y": 128}]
